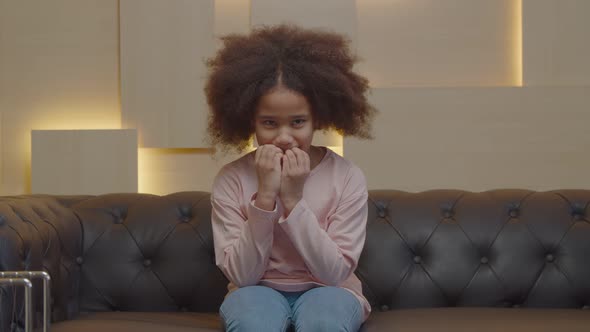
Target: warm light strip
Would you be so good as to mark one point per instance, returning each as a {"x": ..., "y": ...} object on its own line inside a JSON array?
[
  {"x": 517, "y": 31},
  {"x": 149, "y": 162}
]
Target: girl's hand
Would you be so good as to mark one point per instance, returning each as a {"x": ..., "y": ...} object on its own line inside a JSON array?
[
  {"x": 296, "y": 164},
  {"x": 268, "y": 168}
]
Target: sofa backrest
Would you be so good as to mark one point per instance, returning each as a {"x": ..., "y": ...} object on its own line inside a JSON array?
[
  {"x": 148, "y": 253},
  {"x": 39, "y": 233},
  {"x": 144, "y": 252},
  {"x": 501, "y": 248}
]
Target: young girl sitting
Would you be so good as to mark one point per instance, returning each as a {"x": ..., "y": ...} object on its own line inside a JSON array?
[{"x": 289, "y": 218}]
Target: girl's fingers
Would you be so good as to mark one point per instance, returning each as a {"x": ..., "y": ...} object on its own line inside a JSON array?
[
  {"x": 286, "y": 165},
  {"x": 265, "y": 155},
  {"x": 257, "y": 154},
  {"x": 277, "y": 161},
  {"x": 296, "y": 157},
  {"x": 292, "y": 160},
  {"x": 302, "y": 159}
]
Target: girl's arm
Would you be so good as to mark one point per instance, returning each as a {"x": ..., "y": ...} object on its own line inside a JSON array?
[
  {"x": 331, "y": 255},
  {"x": 242, "y": 242}
]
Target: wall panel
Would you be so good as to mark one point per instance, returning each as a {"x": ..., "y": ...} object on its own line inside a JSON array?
[
  {"x": 477, "y": 139},
  {"x": 556, "y": 46},
  {"x": 58, "y": 70},
  {"x": 438, "y": 43},
  {"x": 164, "y": 45},
  {"x": 90, "y": 162}
]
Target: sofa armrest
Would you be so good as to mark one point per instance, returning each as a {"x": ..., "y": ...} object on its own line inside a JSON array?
[{"x": 39, "y": 233}]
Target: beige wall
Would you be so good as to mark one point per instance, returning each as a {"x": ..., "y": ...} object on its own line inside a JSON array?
[
  {"x": 472, "y": 94},
  {"x": 477, "y": 138},
  {"x": 58, "y": 70},
  {"x": 439, "y": 43},
  {"x": 84, "y": 162},
  {"x": 163, "y": 47},
  {"x": 556, "y": 46}
]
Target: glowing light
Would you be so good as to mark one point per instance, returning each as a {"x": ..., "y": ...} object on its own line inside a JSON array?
[{"x": 517, "y": 67}]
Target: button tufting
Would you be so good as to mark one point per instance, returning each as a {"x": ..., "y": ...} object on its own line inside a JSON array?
[
  {"x": 417, "y": 259},
  {"x": 185, "y": 210},
  {"x": 448, "y": 214},
  {"x": 186, "y": 219},
  {"x": 578, "y": 211},
  {"x": 513, "y": 213},
  {"x": 79, "y": 260},
  {"x": 384, "y": 307},
  {"x": 147, "y": 262},
  {"x": 118, "y": 220},
  {"x": 484, "y": 260},
  {"x": 550, "y": 257},
  {"x": 381, "y": 212}
]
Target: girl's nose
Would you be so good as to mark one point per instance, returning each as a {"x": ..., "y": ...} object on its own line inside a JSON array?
[{"x": 284, "y": 140}]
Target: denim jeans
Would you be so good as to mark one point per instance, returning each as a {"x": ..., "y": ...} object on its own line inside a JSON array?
[{"x": 262, "y": 309}]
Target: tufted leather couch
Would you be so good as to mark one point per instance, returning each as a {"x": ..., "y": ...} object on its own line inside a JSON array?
[{"x": 441, "y": 260}]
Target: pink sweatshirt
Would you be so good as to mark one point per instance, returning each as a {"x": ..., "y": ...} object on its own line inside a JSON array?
[{"x": 318, "y": 244}]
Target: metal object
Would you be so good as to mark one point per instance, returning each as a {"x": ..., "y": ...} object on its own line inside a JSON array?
[
  {"x": 28, "y": 302},
  {"x": 23, "y": 278}
]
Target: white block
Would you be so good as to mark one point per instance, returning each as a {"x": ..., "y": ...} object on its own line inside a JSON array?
[
  {"x": 335, "y": 15},
  {"x": 232, "y": 16},
  {"x": 164, "y": 45},
  {"x": 477, "y": 139},
  {"x": 75, "y": 162},
  {"x": 556, "y": 46},
  {"x": 438, "y": 43}
]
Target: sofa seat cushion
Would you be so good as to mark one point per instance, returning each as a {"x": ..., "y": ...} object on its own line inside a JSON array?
[
  {"x": 479, "y": 319},
  {"x": 141, "y": 321}
]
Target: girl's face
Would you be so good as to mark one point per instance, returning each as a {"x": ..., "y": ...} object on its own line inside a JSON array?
[{"x": 283, "y": 118}]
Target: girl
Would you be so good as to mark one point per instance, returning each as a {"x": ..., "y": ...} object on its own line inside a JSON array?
[{"x": 289, "y": 218}]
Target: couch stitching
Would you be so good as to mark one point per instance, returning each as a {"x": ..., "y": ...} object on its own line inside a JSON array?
[
  {"x": 570, "y": 282},
  {"x": 434, "y": 283},
  {"x": 525, "y": 298},
  {"x": 88, "y": 280},
  {"x": 398, "y": 286},
  {"x": 168, "y": 293}
]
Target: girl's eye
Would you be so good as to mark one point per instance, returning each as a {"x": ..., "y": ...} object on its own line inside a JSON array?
[
  {"x": 268, "y": 123},
  {"x": 298, "y": 122}
]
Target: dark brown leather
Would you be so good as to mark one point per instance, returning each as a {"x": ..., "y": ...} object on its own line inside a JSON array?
[
  {"x": 479, "y": 319},
  {"x": 500, "y": 248},
  {"x": 141, "y": 321},
  {"x": 441, "y": 248}
]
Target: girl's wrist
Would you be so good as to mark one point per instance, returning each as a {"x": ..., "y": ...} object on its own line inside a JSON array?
[
  {"x": 289, "y": 203},
  {"x": 265, "y": 201}
]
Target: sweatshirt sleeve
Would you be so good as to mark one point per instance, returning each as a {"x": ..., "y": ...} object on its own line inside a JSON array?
[
  {"x": 332, "y": 255},
  {"x": 242, "y": 242}
]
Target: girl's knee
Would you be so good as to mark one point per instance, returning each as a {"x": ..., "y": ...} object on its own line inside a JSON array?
[
  {"x": 255, "y": 308},
  {"x": 328, "y": 309},
  {"x": 327, "y": 324},
  {"x": 254, "y": 323}
]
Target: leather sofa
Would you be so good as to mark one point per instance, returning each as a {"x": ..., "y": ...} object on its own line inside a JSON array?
[{"x": 441, "y": 260}]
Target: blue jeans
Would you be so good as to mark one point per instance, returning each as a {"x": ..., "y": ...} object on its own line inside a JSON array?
[{"x": 262, "y": 309}]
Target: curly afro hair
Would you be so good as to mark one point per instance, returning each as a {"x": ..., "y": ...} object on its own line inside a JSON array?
[{"x": 315, "y": 63}]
